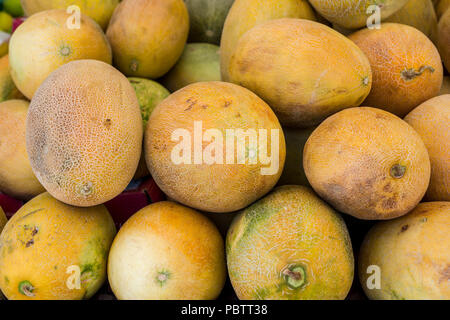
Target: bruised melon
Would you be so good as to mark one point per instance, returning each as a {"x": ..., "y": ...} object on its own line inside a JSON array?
[
  {"x": 84, "y": 133},
  {"x": 305, "y": 70},
  {"x": 432, "y": 121},
  {"x": 245, "y": 14},
  {"x": 406, "y": 66},
  {"x": 45, "y": 42},
  {"x": 367, "y": 163}
]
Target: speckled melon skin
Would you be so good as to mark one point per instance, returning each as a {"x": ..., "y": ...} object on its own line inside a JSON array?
[
  {"x": 99, "y": 10},
  {"x": 412, "y": 253},
  {"x": 367, "y": 163},
  {"x": 44, "y": 42},
  {"x": 246, "y": 14},
  {"x": 84, "y": 133},
  {"x": 168, "y": 240},
  {"x": 352, "y": 14},
  {"x": 444, "y": 38},
  {"x": 211, "y": 187},
  {"x": 289, "y": 227},
  {"x": 16, "y": 177},
  {"x": 150, "y": 45},
  {"x": 406, "y": 66},
  {"x": 8, "y": 90},
  {"x": 305, "y": 70},
  {"x": 432, "y": 121},
  {"x": 43, "y": 239}
]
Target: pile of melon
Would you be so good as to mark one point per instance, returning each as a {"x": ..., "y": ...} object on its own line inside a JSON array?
[{"x": 301, "y": 150}]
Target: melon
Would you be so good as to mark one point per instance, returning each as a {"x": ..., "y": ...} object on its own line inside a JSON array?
[
  {"x": 8, "y": 90},
  {"x": 45, "y": 42},
  {"x": 444, "y": 38},
  {"x": 305, "y": 70},
  {"x": 445, "y": 89},
  {"x": 432, "y": 121},
  {"x": 149, "y": 94},
  {"x": 368, "y": 163},
  {"x": 290, "y": 245},
  {"x": 207, "y": 18},
  {"x": 16, "y": 177},
  {"x": 246, "y": 14},
  {"x": 293, "y": 172},
  {"x": 154, "y": 40},
  {"x": 419, "y": 14},
  {"x": 353, "y": 14},
  {"x": 406, "y": 67},
  {"x": 84, "y": 133},
  {"x": 53, "y": 251},
  {"x": 411, "y": 255},
  {"x": 214, "y": 146},
  {"x": 199, "y": 62},
  {"x": 99, "y": 10},
  {"x": 167, "y": 252}
]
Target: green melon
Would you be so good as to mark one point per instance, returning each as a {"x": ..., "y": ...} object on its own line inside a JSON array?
[
  {"x": 200, "y": 62},
  {"x": 207, "y": 18}
]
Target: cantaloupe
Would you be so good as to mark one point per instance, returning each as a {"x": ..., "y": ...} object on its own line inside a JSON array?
[
  {"x": 289, "y": 245},
  {"x": 411, "y": 255},
  {"x": 419, "y": 14},
  {"x": 444, "y": 38},
  {"x": 406, "y": 66},
  {"x": 432, "y": 121},
  {"x": 246, "y": 14},
  {"x": 206, "y": 19},
  {"x": 99, "y": 10},
  {"x": 214, "y": 146},
  {"x": 354, "y": 14},
  {"x": 53, "y": 251},
  {"x": 148, "y": 36},
  {"x": 367, "y": 163},
  {"x": 167, "y": 251},
  {"x": 305, "y": 70},
  {"x": 16, "y": 177},
  {"x": 8, "y": 90},
  {"x": 45, "y": 42},
  {"x": 84, "y": 133},
  {"x": 199, "y": 62}
]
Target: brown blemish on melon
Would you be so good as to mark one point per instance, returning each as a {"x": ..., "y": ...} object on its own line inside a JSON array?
[
  {"x": 445, "y": 274},
  {"x": 411, "y": 74},
  {"x": 107, "y": 123},
  {"x": 404, "y": 228},
  {"x": 397, "y": 171}
]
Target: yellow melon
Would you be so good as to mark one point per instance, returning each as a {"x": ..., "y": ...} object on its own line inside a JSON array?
[
  {"x": 99, "y": 10},
  {"x": 444, "y": 38},
  {"x": 305, "y": 70},
  {"x": 16, "y": 177},
  {"x": 246, "y": 14},
  {"x": 367, "y": 163},
  {"x": 46, "y": 41},
  {"x": 432, "y": 121},
  {"x": 84, "y": 133},
  {"x": 167, "y": 251},
  {"x": 408, "y": 258},
  {"x": 148, "y": 36},
  {"x": 214, "y": 146},
  {"x": 8, "y": 90},
  {"x": 406, "y": 66},
  {"x": 53, "y": 251}
]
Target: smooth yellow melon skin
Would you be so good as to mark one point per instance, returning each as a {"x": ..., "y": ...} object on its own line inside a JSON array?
[
  {"x": 167, "y": 251},
  {"x": 84, "y": 133},
  {"x": 246, "y": 14},
  {"x": 305, "y": 70},
  {"x": 46, "y": 237},
  {"x": 99, "y": 10},
  {"x": 444, "y": 38},
  {"x": 16, "y": 176},
  {"x": 148, "y": 36},
  {"x": 352, "y": 14},
  {"x": 44, "y": 42},
  {"x": 291, "y": 227},
  {"x": 8, "y": 90},
  {"x": 432, "y": 121},
  {"x": 216, "y": 187},
  {"x": 412, "y": 253},
  {"x": 367, "y": 163}
]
